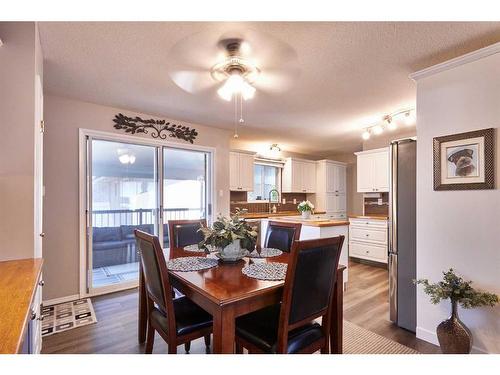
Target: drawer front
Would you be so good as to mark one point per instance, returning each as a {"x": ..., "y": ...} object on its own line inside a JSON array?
[
  {"x": 368, "y": 234},
  {"x": 337, "y": 215},
  {"x": 368, "y": 251},
  {"x": 367, "y": 223}
]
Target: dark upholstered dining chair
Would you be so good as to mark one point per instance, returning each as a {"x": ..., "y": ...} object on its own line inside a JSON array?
[
  {"x": 179, "y": 320},
  {"x": 281, "y": 235},
  {"x": 289, "y": 327},
  {"x": 185, "y": 232}
]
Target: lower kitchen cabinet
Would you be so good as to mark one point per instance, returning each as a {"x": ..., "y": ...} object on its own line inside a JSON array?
[{"x": 368, "y": 239}]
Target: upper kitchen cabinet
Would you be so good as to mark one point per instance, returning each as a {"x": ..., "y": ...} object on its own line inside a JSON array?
[
  {"x": 299, "y": 176},
  {"x": 241, "y": 171},
  {"x": 330, "y": 177},
  {"x": 373, "y": 170},
  {"x": 331, "y": 188}
]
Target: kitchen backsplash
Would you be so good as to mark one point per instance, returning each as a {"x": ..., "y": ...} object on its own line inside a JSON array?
[
  {"x": 239, "y": 200},
  {"x": 372, "y": 206}
]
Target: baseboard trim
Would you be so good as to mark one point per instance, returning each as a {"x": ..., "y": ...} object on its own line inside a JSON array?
[
  {"x": 431, "y": 336},
  {"x": 56, "y": 301}
]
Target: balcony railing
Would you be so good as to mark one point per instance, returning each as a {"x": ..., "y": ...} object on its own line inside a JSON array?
[{"x": 113, "y": 218}]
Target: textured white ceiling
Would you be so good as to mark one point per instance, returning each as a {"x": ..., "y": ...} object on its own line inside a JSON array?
[{"x": 351, "y": 73}]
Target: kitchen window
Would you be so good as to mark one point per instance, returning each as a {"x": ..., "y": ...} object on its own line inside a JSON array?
[{"x": 266, "y": 178}]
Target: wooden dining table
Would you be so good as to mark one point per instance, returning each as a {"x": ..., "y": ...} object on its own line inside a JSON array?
[{"x": 226, "y": 293}]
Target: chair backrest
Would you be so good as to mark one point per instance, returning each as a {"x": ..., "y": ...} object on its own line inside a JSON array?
[
  {"x": 185, "y": 232},
  {"x": 155, "y": 271},
  {"x": 309, "y": 283},
  {"x": 281, "y": 235}
]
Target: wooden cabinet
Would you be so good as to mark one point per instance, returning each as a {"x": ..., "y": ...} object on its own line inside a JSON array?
[
  {"x": 373, "y": 170},
  {"x": 331, "y": 188},
  {"x": 21, "y": 291},
  {"x": 299, "y": 176},
  {"x": 368, "y": 239},
  {"x": 241, "y": 166}
]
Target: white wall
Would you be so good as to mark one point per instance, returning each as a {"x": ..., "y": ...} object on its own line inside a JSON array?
[
  {"x": 20, "y": 61},
  {"x": 63, "y": 118},
  {"x": 459, "y": 229}
]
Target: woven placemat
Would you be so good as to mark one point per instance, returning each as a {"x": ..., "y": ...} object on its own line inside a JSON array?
[
  {"x": 186, "y": 264},
  {"x": 195, "y": 249},
  {"x": 265, "y": 271},
  {"x": 265, "y": 252}
]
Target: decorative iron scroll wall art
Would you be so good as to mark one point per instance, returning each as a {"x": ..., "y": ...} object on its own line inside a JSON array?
[{"x": 158, "y": 128}]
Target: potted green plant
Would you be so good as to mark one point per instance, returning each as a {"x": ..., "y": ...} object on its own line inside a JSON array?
[
  {"x": 232, "y": 237},
  {"x": 453, "y": 335},
  {"x": 305, "y": 208}
]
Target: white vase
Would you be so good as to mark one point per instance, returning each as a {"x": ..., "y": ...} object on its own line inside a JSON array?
[
  {"x": 232, "y": 251},
  {"x": 306, "y": 215}
]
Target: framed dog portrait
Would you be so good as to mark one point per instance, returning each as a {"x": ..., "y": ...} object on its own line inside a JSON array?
[{"x": 465, "y": 161}]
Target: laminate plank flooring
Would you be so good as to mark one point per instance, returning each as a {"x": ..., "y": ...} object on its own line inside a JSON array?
[{"x": 365, "y": 304}]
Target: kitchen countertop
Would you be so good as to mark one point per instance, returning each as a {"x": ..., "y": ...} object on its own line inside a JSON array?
[
  {"x": 374, "y": 217},
  {"x": 18, "y": 283},
  {"x": 312, "y": 222},
  {"x": 265, "y": 215}
]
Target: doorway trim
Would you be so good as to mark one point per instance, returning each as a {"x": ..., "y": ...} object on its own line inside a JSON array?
[{"x": 83, "y": 184}]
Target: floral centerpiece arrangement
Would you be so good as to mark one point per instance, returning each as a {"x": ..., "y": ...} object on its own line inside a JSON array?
[
  {"x": 232, "y": 237},
  {"x": 453, "y": 335},
  {"x": 305, "y": 208}
]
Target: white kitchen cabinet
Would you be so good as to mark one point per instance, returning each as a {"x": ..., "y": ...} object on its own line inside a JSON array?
[
  {"x": 331, "y": 188},
  {"x": 241, "y": 167},
  {"x": 368, "y": 239},
  {"x": 299, "y": 176},
  {"x": 339, "y": 178},
  {"x": 373, "y": 170}
]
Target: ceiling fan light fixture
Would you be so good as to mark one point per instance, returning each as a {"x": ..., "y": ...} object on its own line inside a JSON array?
[
  {"x": 236, "y": 84},
  {"x": 247, "y": 91},
  {"x": 366, "y": 135}
]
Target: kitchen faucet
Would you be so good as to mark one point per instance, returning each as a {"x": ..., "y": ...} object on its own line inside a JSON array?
[{"x": 269, "y": 198}]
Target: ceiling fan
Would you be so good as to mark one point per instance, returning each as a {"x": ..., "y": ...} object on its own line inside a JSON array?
[{"x": 234, "y": 63}]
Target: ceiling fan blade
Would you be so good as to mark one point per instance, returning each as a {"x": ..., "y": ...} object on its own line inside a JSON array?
[
  {"x": 277, "y": 81},
  {"x": 268, "y": 52},
  {"x": 193, "y": 81}
]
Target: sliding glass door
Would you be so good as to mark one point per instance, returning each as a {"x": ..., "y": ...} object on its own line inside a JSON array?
[
  {"x": 185, "y": 186},
  {"x": 123, "y": 197},
  {"x": 137, "y": 186}
]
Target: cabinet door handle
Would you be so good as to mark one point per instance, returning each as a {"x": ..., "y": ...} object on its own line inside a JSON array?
[
  {"x": 367, "y": 235},
  {"x": 41, "y": 283}
]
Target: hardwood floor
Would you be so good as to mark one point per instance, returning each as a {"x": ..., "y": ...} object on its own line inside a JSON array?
[{"x": 365, "y": 304}]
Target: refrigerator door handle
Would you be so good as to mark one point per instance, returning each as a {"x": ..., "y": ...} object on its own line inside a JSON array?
[
  {"x": 393, "y": 288},
  {"x": 393, "y": 259},
  {"x": 393, "y": 200}
]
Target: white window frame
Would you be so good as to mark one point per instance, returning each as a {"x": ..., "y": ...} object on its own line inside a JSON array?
[{"x": 278, "y": 184}]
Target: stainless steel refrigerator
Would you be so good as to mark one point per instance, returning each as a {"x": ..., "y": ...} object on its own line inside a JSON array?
[{"x": 402, "y": 233}]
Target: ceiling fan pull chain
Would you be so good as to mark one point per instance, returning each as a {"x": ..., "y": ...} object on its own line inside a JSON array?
[
  {"x": 235, "y": 117},
  {"x": 241, "y": 109}
]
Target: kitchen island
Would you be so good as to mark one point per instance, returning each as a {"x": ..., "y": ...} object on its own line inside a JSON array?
[{"x": 318, "y": 226}]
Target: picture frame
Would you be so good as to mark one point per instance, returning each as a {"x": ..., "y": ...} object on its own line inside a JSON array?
[{"x": 465, "y": 161}]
